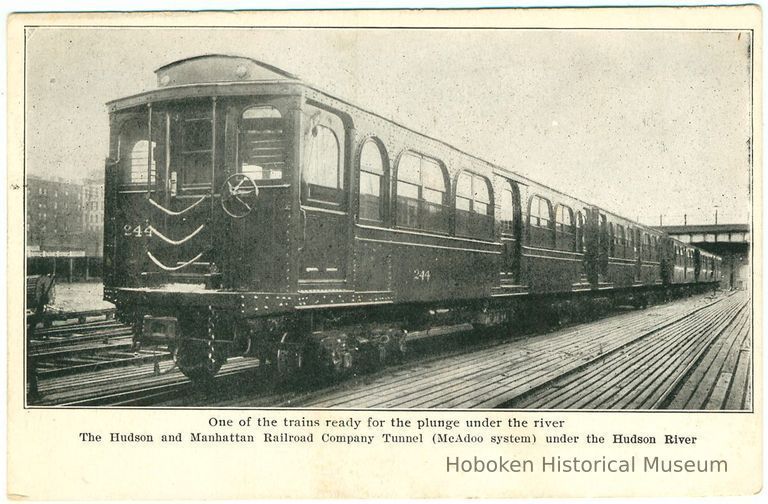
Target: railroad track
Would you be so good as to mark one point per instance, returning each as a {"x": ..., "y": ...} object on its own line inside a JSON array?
[
  {"x": 78, "y": 348},
  {"x": 140, "y": 385},
  {"x": 645, "y": 373},
  {"x": 511, "y": 373},
  {"x": 494, "y": 372}
]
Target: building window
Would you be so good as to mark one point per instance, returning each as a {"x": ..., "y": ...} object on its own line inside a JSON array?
[
  {"x": 421, "y": 194},
  {"x": 262, "y": 143},
  {"x": 565, "y": 234},
  {"x": 323, "y": 175},
  {"x": 541, "y": 230},
  {"x": 373, "y": 182},
  {"x": 474, "y": 216}
]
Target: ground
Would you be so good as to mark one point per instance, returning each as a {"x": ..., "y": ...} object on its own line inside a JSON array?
[{"x": 80, "y": 296}]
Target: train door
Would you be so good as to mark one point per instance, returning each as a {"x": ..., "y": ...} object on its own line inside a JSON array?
[
  {"x": 324, "y": 202},
  {"x": 666, "y": 255},
  {"x": 696, "y": 264},
  {"x": 180, "y": 170},
  {"x": 591, "y": 245},
  {"x": 511, "y": 231},
  {"x": 638, "y": 254}
]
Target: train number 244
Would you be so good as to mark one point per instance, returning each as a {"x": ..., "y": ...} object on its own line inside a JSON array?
[{"x": 137, "y": 231}]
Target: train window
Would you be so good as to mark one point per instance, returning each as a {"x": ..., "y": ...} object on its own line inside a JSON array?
[
  {"x": 372, "y": 182},
  {"x": 612, "y": 240},
  {"x": 507, "y": 210},
  {"x": 134, "y": 155},
  {"x": 621, "y": 246},
  {"x": 421, "y": 194},
  {"x": 261, "y": 148},
  {"x": 539, "y": 219},
  {"x": 192, "y": 132},
  {"x": 648, "y": 247},
  {"x": 474, "y": 216},
  {"x": 323, "y": 174},
  {"x": 565, "y": 235},
  {"x": 579, "y": 232}
]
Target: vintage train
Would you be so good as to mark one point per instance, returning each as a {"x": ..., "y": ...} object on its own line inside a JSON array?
[{"x": 250, "y": 213}]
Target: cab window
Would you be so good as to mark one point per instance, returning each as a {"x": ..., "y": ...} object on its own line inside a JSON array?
[
  {"x": 261, "y": 144},
  {"x": 192, "y": 134}
]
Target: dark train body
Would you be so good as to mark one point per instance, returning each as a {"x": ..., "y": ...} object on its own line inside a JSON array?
[{"x": 250, "y": 213}]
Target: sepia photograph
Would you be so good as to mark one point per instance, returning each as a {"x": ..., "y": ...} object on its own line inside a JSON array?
[{"x": 388, "y": 217}]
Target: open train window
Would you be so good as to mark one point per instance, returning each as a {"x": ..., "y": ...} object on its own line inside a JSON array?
[
  {"x": 565, "y": 235},
  {"x": 373, "y": 182},
  {"x": 540, "y": 228},
  {"x": 134, "y": 154},
  {"x": 474, "y": 212},
  {"x": 261, "y": 144},
  {"x": 421, "y": 194}
]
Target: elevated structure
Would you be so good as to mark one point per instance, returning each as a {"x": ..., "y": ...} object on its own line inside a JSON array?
[{"x": 730, "y": 241}]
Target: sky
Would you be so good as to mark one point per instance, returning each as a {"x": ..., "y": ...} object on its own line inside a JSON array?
[{"x": 639, "y": 122}]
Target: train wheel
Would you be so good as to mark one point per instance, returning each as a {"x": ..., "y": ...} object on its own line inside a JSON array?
[{"x": 197, "y": 360}]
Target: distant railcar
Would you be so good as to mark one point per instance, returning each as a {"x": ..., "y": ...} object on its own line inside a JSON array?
[{"x": 248, "y": 212}]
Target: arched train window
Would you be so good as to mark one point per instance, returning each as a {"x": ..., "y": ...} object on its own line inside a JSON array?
[
  {"x": 421, "y": 194},
  {"x": 322, "y": 173},
  {"x": 507, "y": 209},
  {"x": 373, "y": 182},
  {"x": 134, "y": 155},
  {"x": 540, "y": 228},
  {"x": 474, "y": 212},
  {"x": 565, "y": 235}
]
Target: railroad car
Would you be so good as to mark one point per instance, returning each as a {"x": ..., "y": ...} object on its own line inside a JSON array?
[{"x": 250, "y": 213}]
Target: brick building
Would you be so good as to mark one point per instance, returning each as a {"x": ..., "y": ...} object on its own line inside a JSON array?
[
  {"x": 64, "y": 226},
  {"x": 54, "y": 214}
]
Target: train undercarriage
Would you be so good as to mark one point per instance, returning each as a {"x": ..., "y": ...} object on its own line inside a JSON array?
[{"x": 321, "y": 345}]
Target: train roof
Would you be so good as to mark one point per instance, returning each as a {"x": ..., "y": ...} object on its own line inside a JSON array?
[
  {"x": 214, "y": 68},
  {"x": 231, "y": 70}
]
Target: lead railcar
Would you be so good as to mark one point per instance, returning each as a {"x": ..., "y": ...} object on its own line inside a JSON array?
[{"x": 249, "y": 213}]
